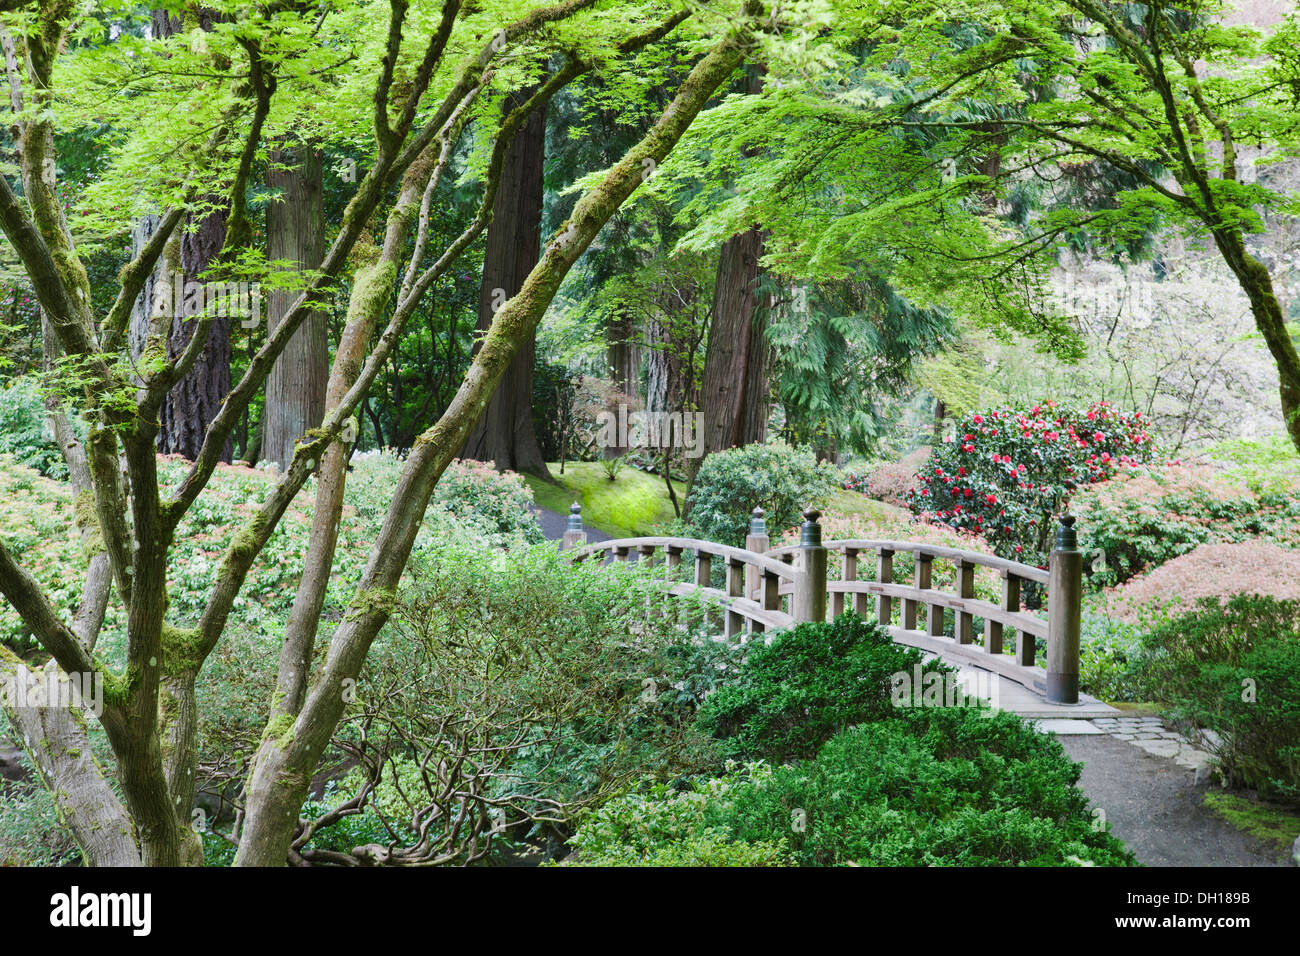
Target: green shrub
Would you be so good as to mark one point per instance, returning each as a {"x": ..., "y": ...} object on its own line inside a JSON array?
[
  {"x": 1234, "y": 669},
  {"x": 358, "y": 829},
  {"x": 1254, "y": 708},
  {"x": 1266, "y": 466},
  {"x": 937, "y": 787},
  {"x": 1145, "y": 517},
  {"x": 31, "y": 833},
  {"x": 1215, "y": 632},
  {"x": 781, "y": 480},
  {"x": 943, "y": 786},
  {"x": 664, "y": 827},
  {"x": 1109, "y": 658},
  {"x": 22, "y": 430},
  {"x": 811, "y": 682},
  {"x": 529, "y": 680},
  {"x": 1008, "y": 471}
]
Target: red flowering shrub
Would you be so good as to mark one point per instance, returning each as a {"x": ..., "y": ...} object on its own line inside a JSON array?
[{"x": 1007, "y": 472}]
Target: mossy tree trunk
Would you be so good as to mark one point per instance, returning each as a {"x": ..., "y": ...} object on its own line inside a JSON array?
[{"x": 295, "y": 233}]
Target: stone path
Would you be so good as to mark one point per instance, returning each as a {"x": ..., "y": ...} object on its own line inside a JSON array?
[
  {"x": 1154, "y": 804},
  {"x": 1146, "y": 733},
  {"x": 1151, "y": 734},
  {"x": 1148, "y": 782},
  {"x": 553, "y": 524}
]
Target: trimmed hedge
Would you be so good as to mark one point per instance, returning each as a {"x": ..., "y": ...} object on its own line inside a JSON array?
[
  {"x": 811, "y": 682},
  {"x": 936, "y": 787}
]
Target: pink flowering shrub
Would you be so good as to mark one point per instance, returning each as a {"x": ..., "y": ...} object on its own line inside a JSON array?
[
  {"x": 1209, "y": 571},
  {"x": 1007, "y": 471},
  {"x": 482, "y": 499},
  {"x": 889, "y": 482}
]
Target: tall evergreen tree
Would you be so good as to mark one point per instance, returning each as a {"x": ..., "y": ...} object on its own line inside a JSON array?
[
  {"x": 295, "y": 234},
  {"x": 506, "y": 434}
]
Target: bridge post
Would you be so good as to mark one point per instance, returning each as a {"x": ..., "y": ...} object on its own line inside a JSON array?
[
  {"x": 884, "y": 575},
  {"x": 734, "y": 623},
  {"x": 1064, "y": 612},
  {"x": 574, "y": 535},
  {"x": 849, "y": 572},
  {"x": 758, "y": 541},
  {"x": 964, "y": 624},
  {"x": 810, "y": 582}
]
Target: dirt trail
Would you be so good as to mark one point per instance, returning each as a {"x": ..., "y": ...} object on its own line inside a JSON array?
[{"x": 1154, "y": 806}]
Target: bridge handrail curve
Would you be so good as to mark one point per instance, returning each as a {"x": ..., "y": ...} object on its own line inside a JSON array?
[
  {"x": 763, "y": 562},
  {"x": 1025, "y": 571}
]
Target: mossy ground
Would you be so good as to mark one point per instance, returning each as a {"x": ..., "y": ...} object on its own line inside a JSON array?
[
  {"x": 851, "y": 503},
  {"x": 1273, "y": 825},
  {"x": 632, "y": 505},
  {"x": 1139, "y": 708},
  {"x": 637, "y": 503}
]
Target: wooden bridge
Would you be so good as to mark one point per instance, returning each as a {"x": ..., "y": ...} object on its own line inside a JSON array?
[{"x": 766, "y": 590}]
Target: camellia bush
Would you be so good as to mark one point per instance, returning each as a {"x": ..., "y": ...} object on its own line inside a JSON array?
[{"x": 1006, "y": 472}]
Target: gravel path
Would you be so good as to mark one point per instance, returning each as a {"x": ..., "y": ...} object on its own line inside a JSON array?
[{"x": 1154, "y": 806}]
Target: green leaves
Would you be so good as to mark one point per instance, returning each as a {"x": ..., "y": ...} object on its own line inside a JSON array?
[
  {"x": 1234, "y": 667},
  {"x": 730, "y": 484},
  {"x": 811, "y": 682}
]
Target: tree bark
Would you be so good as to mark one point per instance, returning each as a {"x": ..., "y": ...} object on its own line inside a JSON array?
[
  {"x": 142, "y": 311},
  {"x": 58, "y": 744},
  {"x": 506, "y": 434},
  {"x": 1270, "y": 319},
  {"x": 622, "y": 355},
  {"x": 194, "y": 401},
  {"x": 295, "y": 232},
  {"x": 936, "y": 430},
  {"x": 734, "y": 395}
]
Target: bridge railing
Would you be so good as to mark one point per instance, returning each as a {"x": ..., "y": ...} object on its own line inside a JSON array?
[
  {"x": 767, "y": 590},
  {"x": 758, "y": 594}
]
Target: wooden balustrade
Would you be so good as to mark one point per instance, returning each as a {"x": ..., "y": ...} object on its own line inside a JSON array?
[
  {"x": 755, "y": 584},
  {"x": 746, "y": 607}
]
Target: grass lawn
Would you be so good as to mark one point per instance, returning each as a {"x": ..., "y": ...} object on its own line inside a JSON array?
[
  {"x": 846, "y": 503},
  {"x": 633, "y": 505}
]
